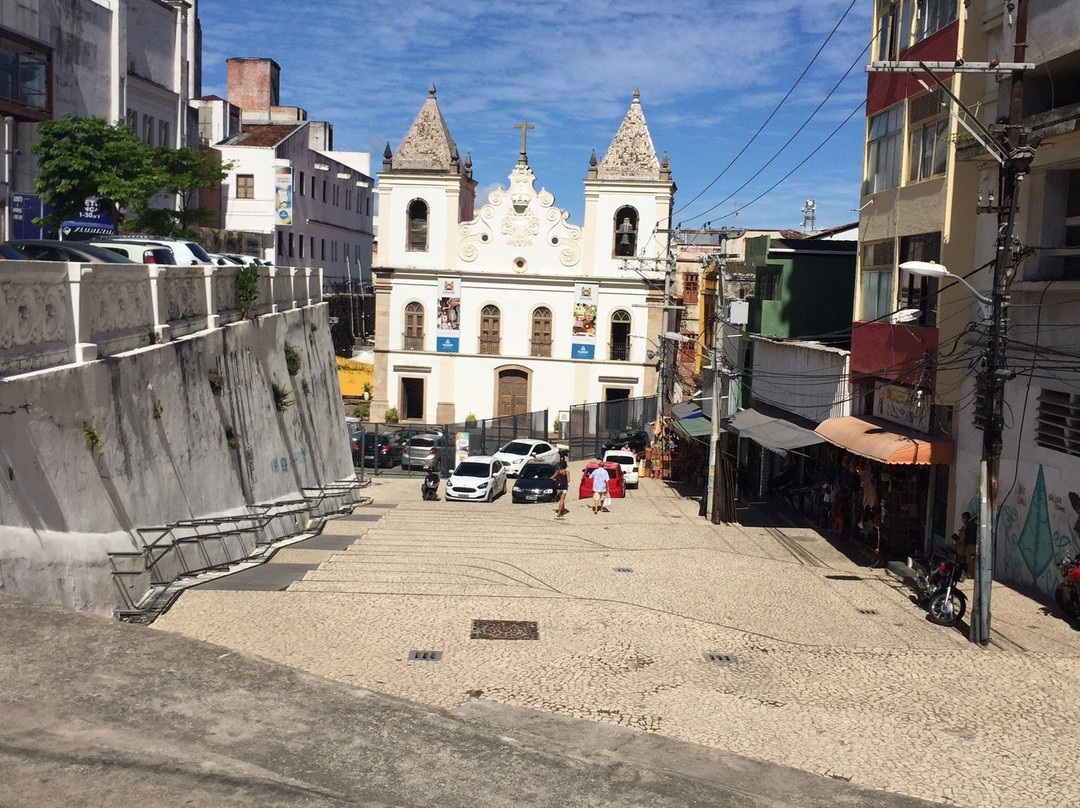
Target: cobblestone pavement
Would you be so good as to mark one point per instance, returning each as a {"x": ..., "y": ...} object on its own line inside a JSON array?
[{"x": 816, "y": 662}]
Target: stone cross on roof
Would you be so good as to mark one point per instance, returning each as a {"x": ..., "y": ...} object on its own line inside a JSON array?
[{"x": 524, "y": 126}]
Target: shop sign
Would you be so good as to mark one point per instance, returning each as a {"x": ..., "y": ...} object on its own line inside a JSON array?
[{"x": 903, "y": 405}]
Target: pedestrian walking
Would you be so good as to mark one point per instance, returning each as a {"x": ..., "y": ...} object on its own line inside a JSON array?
[
  {"x": 562, "y": 484},
  {"x": 599, "y": 479}
]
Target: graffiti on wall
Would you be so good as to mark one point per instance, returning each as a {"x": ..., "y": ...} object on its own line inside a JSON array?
[{"x": 1028, "y": 549}]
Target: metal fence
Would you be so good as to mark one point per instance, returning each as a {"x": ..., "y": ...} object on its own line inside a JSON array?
[
  {"x": 591, "y": 425},
  {"x": 485, "y": 437}
]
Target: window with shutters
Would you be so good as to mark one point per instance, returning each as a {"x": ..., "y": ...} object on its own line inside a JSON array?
[
  {"x": 245, "y": 186},
  {"x": 1058, "y": 426},
  {"x": 928, "y": 136},
  {"x": 490, "y": 323},
  {"x": 691, "y": 281},
  {"x": 876, "y": 280},
  {"x": 541, "y": 332},
  {"x": 414, "y": 327}
]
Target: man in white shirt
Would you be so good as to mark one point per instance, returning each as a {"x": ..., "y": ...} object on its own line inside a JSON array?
[{"x": 599, "y": 479}]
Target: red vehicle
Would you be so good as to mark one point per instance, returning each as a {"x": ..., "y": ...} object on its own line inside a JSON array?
[
  {"x": 1067, "y": 593},
  {"x": 616, "y": 484}
]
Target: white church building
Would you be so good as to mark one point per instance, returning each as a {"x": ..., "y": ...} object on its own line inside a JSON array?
[{"x": 513, "y": 309}]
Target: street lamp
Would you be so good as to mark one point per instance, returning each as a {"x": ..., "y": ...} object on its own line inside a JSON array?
[{"x": 991, "y": 454}]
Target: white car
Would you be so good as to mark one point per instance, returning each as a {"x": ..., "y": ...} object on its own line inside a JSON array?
[
  {"x": 520, "y": 451},
  {"x": 627, "y": 461},
  {"x": 477, "y": 478}
]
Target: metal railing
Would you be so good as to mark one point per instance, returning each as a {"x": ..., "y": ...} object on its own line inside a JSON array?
[
  {"x": 412, "y": 342},
  {"x": 591, "y": 425}
]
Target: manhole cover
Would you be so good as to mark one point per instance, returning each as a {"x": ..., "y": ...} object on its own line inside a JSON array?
[
  {"x": 425, "y": 656},
  {"x": 720, "y": 659},
  {"x": 623, "y": 569},
  {"x": 504, "y": 630}
]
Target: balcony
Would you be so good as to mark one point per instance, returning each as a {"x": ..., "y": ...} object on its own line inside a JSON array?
[
  {"x": 619, "y": 351},
  {"x": 489, "y": 346},
  {"x": 412, "y": 342},
  {"x": 540, "y": 347}
]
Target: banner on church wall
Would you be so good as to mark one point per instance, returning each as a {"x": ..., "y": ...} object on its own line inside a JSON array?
[
  {"x": 448, "y": 316},
  {"x": 583, "y": 341}
]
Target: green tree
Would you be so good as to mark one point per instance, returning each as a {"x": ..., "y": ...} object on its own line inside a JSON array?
[
  {"x": 184, "y": 172},
  {"x": 80, "y": 158}
]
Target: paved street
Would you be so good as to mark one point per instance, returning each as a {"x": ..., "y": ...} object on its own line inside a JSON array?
[{"x": 816, "y": 663}]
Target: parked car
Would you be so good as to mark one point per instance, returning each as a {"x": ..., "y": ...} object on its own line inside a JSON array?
[
  {"x": 616, "y": 484},
  {"x": 477, "y": 478},
  {"x": 535, "y": 483},
  {"x": 245, "y": 260},
  {"x": 186, "y": 253},
  {"x": 12, "y": 253},
  {"x": 423, "y": 450},
  {"x": 627, "y": 462},
  {"x": 225, "y": 260},
  {"x": 520, "y": 451},
  {"x": 636, "y": 439},
  {"x": 139, "y": 253},
  {"x": 369, "y": 446},
  {"x": 52, "y": 250}
]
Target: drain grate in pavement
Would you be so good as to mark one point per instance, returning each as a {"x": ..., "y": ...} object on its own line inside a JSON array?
[
  {"x": 504, "y": 630},
  {"x": 720, "y": 659},
  {"x": 867, "y": 611},
  {"x": 844, "y": 577},
  {"x": 425, "y": 656},
  {"x": 622, "y": 569}
]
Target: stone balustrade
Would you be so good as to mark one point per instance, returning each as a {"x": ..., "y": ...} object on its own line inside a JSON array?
[{"x": 55, "y": 313}]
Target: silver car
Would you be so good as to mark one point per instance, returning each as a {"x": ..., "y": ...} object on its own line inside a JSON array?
[{"x": 423, "y": 450}]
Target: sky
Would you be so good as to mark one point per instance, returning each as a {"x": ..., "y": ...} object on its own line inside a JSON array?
[{"x": 710, "y": 74}]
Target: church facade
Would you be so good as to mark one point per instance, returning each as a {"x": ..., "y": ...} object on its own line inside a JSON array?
[{"x": 512, "y": 308}]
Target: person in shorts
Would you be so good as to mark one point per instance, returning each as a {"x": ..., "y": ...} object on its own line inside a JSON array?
[
  {"x": 599, "y": 477},
  {"x": 562, "y": 484}
]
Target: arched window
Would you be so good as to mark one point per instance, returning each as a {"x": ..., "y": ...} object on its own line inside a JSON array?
[
  {"x": 620, "y": 335},
  {"x": 418, "y": 225},
  {"x": 414, "y": 327},
  {"x": 626, "y": 229},
  {"x": 490, "y": 323},
  {"x": 541, "y": 332}
]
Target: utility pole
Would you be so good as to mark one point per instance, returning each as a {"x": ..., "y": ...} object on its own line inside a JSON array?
[
  {"x": 1014, "y": 155},
  {"x": 995, "y": 370},
  {"x": 718, "y": 506}
]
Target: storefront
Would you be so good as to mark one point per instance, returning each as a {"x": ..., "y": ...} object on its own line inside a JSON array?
[{"x": 884, "y": 480}]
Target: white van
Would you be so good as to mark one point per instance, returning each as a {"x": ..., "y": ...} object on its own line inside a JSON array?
[{"x": 185, "y": 253}]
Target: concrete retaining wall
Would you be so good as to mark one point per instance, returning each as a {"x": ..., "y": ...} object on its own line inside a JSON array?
[{"x": 165, "y": 453}]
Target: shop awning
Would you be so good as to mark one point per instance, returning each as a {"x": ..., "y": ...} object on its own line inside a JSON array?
[
  {"x": 775, "y": 434},
  {"x": 693, "y": 427},
  {"x": 885, "y": 442}
]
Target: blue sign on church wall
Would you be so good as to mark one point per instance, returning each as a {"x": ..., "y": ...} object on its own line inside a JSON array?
[
  {"x": 447, "y": 344},
  {"x": 583, "y": 351}
]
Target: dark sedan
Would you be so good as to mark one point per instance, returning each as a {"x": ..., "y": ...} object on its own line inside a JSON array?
[
  {"x": 49, "y": 250},
  {"x": 12, "y": 253},
  {"x": 375, "y": 447},
  {"x": 636, "y": 439},
  {"x": 535, "y": 483}
]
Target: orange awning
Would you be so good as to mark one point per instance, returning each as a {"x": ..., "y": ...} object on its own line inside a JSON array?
[{"x": 885, "y": 442}]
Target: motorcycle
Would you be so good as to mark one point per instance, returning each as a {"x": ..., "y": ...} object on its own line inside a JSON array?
[
  {"x": 430, "y": 487},
  {"x": 1067, "y": 592},
  {"x": 938, "y": 592}
]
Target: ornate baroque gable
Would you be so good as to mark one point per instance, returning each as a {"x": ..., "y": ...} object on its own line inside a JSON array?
[
  {"x": 631, "y": 154},
  {"x": 525, "y": 222}
]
